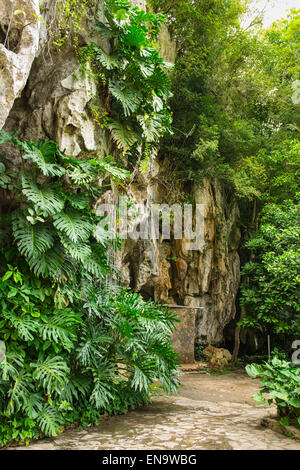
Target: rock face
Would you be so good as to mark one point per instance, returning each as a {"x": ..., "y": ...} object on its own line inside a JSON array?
[
  {"x": 45, "y": 96},
  {"x": 19, "y": 40}
]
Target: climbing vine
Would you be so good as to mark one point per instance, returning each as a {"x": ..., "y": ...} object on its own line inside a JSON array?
[{"x": 134, "y": 76}]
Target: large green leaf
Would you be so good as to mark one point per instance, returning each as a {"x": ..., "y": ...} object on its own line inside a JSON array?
[
  {"x": 128, "y": 97},
  {"x": 43, "y": 155},
  {"x": 75, "y": 225},
  {"x": 122, "y": 134},
  {"x": 45, "y": 198},
  {"x": 32, "y": 240},
  {"x": 48, "y": 263},
  {"x": 51, "y": 373}
]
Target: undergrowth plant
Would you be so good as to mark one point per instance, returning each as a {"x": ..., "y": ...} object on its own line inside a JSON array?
[
  {"x": 280, "y": 382},
  {"x": 74, "y": 349}
]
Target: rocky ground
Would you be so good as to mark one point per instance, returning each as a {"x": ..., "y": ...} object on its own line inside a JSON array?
[{"x": 210, "y": 412}]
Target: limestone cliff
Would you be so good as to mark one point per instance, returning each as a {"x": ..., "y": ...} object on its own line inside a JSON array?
[{"x": 42, "y": 95}]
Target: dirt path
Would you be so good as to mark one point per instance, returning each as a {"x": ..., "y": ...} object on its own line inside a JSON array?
[{"x": 210, "y": 412}]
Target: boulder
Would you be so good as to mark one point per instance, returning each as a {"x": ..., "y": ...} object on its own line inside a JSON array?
[{"x": 217, "y": 358}]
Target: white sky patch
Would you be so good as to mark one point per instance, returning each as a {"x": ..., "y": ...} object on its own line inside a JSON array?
[{"x": 273, "y": 10}]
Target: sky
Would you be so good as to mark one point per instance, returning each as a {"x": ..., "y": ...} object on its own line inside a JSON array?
[{"x": 276, "y": 9}]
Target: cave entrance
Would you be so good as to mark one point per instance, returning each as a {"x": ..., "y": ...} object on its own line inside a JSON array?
[{"x": 183, "y": 338}]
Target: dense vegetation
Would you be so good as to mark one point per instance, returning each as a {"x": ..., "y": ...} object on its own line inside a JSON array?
[
  {"x": 236, "y": 119},
  {"x": 74, "y": 349},
  {"x": 78, "y": 346},
  {"x": 280, "y": 381}
]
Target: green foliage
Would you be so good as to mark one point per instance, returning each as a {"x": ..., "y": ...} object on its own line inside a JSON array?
[
  {"x": 133, "y": 73},
  {"x": 102, "y": 351},
  {"x": 232, "y": 98},
  {"x": 68, "y": 24},
  {"x": 280, "y": 380},
  {"x": 55, "y": 229},
  {"x": 270, "y": 292},
  {"x": 74, "y": 350}
]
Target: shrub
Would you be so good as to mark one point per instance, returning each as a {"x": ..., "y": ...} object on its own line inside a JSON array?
[{"x": 281, "y": 381}]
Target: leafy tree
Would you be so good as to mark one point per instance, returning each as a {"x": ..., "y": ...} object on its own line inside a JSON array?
[{"x": 270, "y": 296}]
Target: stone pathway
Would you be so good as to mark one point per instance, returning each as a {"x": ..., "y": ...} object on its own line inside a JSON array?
[{"x": 210, "y": 412}]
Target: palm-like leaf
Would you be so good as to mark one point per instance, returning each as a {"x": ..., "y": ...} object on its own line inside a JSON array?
[
  {"x": 43, "y": 155},
  {"x": 60, "y": 328},
  {"x": 122, "y": 134},
  {"x": 80, "y": 251},
  {"x": 23, "y": 323},
  {"x": 49, "y": 420},
  {"x": 32, "y": 240},
  {"x": 49, "y": 263},
  {"x": 19, "y": 392},
  {"x": 74, "y": 224},
  {"x": 45, "y": 199},
  {"x": 51, "y": 373},
  {"x": 11, "y": 365},
  {"x": 108, "y": 61},
  {"x": 105, "y": 376},
  {"x": 152, "y": 127},
  {"x": 128, "y": 97}
]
